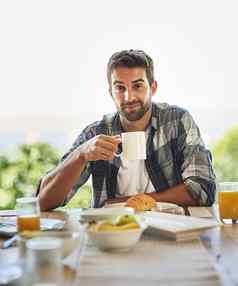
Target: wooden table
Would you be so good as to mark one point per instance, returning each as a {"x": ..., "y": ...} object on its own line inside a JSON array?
[{"x": 220, "y": 244}]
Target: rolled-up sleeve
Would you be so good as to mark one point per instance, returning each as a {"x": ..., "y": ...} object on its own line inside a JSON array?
[
  {"x": 85, "y": 174},
  {"x": 196, "y": 162}
]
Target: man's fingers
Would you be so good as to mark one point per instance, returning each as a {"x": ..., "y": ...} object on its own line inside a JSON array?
[
  {"x": 108, "y": 142},
  {"x": 104, "y": 154},
  {"x": 101, "y": 147},
  {"x": 106, "y": 145},
  {"x": 112, "y": 139}
]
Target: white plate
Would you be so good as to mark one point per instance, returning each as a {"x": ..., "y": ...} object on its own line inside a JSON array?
[
  {"x": 8, "y": 225},
  {"x": 96, "y": 214},
  {"x": 160, "y": 207},
  {"x": 8, "y": 213}
]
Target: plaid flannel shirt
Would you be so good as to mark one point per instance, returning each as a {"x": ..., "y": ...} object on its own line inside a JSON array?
[{"x": 175, "y": 154}]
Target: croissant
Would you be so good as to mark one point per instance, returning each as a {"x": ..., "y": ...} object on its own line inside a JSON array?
[{"x": 141, "y": 202}]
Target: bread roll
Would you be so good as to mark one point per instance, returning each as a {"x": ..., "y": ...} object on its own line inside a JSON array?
[{"x": 141, "y": 202}]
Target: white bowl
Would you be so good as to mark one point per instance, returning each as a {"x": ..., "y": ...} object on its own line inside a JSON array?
[
  {"x": 116, "y": 240},
  {"x": 96, "y": 214}
]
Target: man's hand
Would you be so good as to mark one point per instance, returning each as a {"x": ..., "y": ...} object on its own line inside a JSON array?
[
  {"x": 58, "y": 183},
  {"x": 100, "y": 147}
]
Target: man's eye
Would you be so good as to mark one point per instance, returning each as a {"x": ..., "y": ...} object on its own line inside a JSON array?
[
  {"x": 120, "y": 88},
  {"x": 138, "y": 86}
]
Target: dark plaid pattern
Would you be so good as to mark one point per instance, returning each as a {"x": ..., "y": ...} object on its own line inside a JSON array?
[{"x": 175, "y": 154}]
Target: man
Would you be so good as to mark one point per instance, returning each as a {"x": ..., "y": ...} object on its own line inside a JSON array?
[{"x": 177, "y": 168}]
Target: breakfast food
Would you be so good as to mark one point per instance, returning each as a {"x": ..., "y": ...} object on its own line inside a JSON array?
[
  {"x": 141, "y": 202},
  {"x": 121, "y": 223}
]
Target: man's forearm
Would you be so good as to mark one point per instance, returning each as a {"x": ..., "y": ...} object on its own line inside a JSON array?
[
  {"x": 178, "y": 194},
  {"x": 56, "y": 185}
]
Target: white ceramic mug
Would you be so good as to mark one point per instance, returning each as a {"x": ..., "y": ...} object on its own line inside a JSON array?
[{"x": 133, "y": 146}]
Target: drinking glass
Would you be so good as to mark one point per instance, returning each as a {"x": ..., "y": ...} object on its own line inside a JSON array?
[
  {"x": 28, "y": 214},
  {"x": 228, "y": 201},
  {"x": 43, "y": 261}
]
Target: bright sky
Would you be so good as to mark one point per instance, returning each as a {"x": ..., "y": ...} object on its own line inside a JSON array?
[{"x": 53, "y": 54}]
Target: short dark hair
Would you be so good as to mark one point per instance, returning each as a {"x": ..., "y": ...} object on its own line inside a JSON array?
[{"x": 131, "y": 59}]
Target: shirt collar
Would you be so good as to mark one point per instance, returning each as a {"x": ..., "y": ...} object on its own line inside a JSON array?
[{"x": 154, "y": 119}]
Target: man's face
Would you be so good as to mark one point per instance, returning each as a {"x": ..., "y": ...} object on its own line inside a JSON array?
[{"x": 131, "y": 92}]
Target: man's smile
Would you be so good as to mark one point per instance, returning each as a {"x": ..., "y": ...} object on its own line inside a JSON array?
[{"x": 131, "y": 106}]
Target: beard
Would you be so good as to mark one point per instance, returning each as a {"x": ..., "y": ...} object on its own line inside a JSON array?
[{"x": 135, "y": 113}]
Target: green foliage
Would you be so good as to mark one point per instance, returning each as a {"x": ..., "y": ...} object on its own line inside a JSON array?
[
  {"x": 225, "y": 153},
  {"x": 4, "y": 162},
  {"x": 35, "y": 160},
  {"x": 81, "y": 199},
  {"x": 7, "y": 199},
  {"x": 21, "y": 176}
]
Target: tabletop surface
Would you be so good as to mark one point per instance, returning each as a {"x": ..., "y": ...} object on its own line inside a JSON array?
[{"x": 210, "y": 260}]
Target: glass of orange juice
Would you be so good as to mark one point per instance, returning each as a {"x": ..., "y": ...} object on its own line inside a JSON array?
[
  {"x": 228, "y": 201},
  {"x": 28, "y": 214}
]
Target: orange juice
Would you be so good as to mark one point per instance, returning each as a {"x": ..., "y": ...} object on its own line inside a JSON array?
[
  {"x": 28, "y": 222},
  {"x": 228, "y": 204}
]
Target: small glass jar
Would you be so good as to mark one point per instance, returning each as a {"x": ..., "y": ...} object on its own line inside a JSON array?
[{"x": 28, "y": 214}]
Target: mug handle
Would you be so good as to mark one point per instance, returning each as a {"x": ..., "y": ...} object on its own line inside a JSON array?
[{"x": 118, "y": 155}]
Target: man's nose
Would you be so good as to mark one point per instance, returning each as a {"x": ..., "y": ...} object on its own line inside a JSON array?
[{"x": 128, "y": 95}]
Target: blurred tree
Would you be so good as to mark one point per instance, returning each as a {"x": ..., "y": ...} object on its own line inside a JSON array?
[
  {"x": 4, "y": 162},
  {"x": 20, "y": 176},
  {"x": 81, "y": 199},
  {"x": 225, "y": 153},
  {"x": 34, "y": 160}
]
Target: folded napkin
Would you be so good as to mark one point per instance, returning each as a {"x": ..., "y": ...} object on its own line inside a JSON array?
[
  {"x": 169, "y": 208},
  {"x": 200, "y": 212}
]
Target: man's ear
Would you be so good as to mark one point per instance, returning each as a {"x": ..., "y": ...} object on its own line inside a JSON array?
[
  {"x": 154, "y": 87},
  {"x": 110, "y": 91}
]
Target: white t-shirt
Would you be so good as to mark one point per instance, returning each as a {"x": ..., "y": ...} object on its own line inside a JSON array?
[{"x": 133, "y": 178}]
